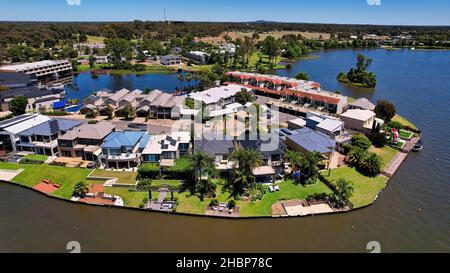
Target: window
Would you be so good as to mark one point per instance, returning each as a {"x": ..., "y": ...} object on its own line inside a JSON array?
[
  {"x": 151, "y": 158},
  {"x": 169, "y": 155}
]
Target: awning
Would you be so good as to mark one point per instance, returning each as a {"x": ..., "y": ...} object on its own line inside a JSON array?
[{"x": 263, "y": 170}]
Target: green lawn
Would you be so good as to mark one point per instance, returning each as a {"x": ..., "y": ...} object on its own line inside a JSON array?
[
  {"x": 123, "y": 177},
  {"x": 36, "y": 157},
  {"x": 404, "y": 121},
  {"x": 365, "y": 188},
  {"x": 158, "y": 183},
  {"x": 95, "y": 39},
  {"x": 265, "y": 61},
  {"x": 34, "y": 174},
  {"x": 130, "y": 198},
  {"x": 288, "y": 191},
  {"x": 386, "y": 153},
  {"x": 405, "y": 134}
]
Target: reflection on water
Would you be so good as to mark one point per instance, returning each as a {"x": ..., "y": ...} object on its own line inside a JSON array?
[{"x": 416, "y": 82}]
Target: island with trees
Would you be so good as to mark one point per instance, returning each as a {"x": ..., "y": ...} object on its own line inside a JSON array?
[{"x": 359, "y": 76}]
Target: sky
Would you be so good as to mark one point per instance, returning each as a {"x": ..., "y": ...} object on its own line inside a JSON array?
[{"x": 380, "y": 12}]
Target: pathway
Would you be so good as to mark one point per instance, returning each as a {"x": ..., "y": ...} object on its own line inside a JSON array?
[{"x": 399, "y": 157}]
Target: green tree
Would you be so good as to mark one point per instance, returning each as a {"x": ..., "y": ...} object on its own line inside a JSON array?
[
  {"x": 18, "y": 105},
  {"x": 361, "y": 141},
  {"x": 129, "y": 112},
  {"x": 243, "y": 96},
  {"x": 119, "y": 52},
  {"x": 302, "y": 76},
  {"x": 385, "y": 110},
  {"x": 356, "y": 156},
  {"x": 92, "y": 61},
  {"x": 80, "y": 189},
  {"x": 271, "y": 47},
  {"x": 371, "y": 164},
  {"x": 245, "y": 161},
  {"x": 107, "y": 111},
  {"x": 204, "y": 169},
  {"x": 345, "y": 189}
]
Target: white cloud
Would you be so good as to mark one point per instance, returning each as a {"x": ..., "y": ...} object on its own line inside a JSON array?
[
  {"x": 73, "y": 2},
  {"x": 374, "y": 2}
]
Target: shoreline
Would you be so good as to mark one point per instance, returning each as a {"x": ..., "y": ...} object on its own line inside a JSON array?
[{"x": 227, "y": 217}]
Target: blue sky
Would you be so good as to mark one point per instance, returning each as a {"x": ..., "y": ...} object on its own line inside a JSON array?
[{"x": 407, "y": 12}]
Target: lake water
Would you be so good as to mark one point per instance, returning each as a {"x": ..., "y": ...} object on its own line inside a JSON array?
[
  {"x": 417, "y": 82},
  {"x": 84, "y": 84}
]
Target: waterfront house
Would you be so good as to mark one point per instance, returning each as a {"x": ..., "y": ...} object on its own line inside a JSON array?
[
  {"x": 271, "y": 150},
  {"x": 199, "y": 57},
  {"x": 21, "y": 84},
  {"x": 41, "y": 69},
  {"x": 219, "y": 148},
  {"x": 167, "y": 147},
  {"x": 330, "y": 126},
  {"x": 11, "y": 128},
  {"x": 170, "y": 59},
  {"x": 121, "y": 149},
  {"x": 129, "y": 99},
  {"x": 360, "y": 120},
  {"x": 307, "y": 140},
  {"x": 114, "y": 99},
  {"x": 216, "y": 98},
  {"x": 362, "y": 103},
  {"x": 292, "y": 95},
  {"x": 43, "y": 138},
  {"x": 84, "y": 141}
]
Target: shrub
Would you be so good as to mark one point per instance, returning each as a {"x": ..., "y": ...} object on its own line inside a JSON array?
[
  {"x": 361, "y": 141},
  {"x": 91, "y": 114},
  {"x": 80, "y": 189},
  {"x": 347, "y": 148},
  {"x": 214, "y": 203},
  {"x": 231, "y": 204},
  {"x": 378, "y": 139},
  {"x": 148, "y": 171},
  {"x": 371, "y": 164},
  {"x": 92, "y": 122},
  {"x": 395, "y": 124}
]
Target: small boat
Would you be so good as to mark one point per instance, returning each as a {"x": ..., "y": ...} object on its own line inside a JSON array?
[{"x": 418, "y": 146}]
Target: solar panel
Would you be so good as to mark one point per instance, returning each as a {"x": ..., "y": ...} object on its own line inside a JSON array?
[{"x": 173, "y": 142}]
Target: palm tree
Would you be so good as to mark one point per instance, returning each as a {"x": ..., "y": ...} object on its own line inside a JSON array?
[
  {"x": 245, "y": 160},
  {"x": 345, "y": 189},
  {"x": 371, "y": 164},
  {"x": 356, "y": 156},
  {"x": 309, "y": 163},
  {"x": 294, "y": 158},
  {"x": 203, "y": 165}
]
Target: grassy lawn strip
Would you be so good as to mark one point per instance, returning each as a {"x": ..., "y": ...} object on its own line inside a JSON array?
[
  {"x": 158, "y": 183},
  {"x": 405, "y": 134},
  {"x": 130, "y": 198},
  {"x": 288, "y": 191},
  {"x": 34, "y": 174},
  {"x": 365, "y": 188},
  {"x": 386, "y": 153},
  {"x": 36, "y": 157},
  {"x": 123, "y": 177},
  {"x": 404, "y": 121}
]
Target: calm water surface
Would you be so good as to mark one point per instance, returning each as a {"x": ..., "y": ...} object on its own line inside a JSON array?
[
  {"x": 417, "y": 82},
  {"x": 84, "y": 84}
]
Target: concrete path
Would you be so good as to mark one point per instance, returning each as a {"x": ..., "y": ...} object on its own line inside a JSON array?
[
  {"x": 8, "y": 175},
  {"x": 162, "y": 196},
  {"x": 399, "y": 158}
]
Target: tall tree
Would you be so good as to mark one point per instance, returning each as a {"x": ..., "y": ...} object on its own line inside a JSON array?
[
  {"x": 385, "y": 110},
  {"x": 245, "y": 160},
  {"x": 119, "y": 52},
  {"x": 18, "y": 105}
]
